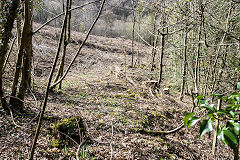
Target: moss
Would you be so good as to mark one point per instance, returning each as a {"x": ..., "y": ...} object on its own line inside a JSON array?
[
  {"x": 55, "y": 142},
  {"x": 152, "y": 119},
  {"x": 65, "y": 131}
]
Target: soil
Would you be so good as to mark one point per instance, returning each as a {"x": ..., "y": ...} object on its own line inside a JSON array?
[{"x": 113, "y": 99}]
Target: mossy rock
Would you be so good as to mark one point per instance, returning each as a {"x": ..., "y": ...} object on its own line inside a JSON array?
[{"x": 65, "y": 131}]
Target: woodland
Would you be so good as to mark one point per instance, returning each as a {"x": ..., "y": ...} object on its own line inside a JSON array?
[{"x": 120, "y": 79}]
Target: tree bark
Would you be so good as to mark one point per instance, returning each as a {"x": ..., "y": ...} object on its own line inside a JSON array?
[
  {"x": 161, "y": 59},
  {"x": 214, "y": 74},
  {"x": 133, "y": 32},
  {"x": 155, "y": 43},
  {"x": 24, "y": 55},
  {"x": 164, "y": 34},
  {"x": 7, "y": 29},
  {"x": 184, "y": 65},
  {"x": 65, "y": 43},
  {"x": 196, "y": 69}
]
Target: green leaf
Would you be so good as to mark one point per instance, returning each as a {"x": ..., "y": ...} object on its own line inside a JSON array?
[
  {"x": 238, "y": 85},
  {"x": 232, "y": 114},
  {"x": 187, "y": 117},
  {"x": 219, "y": 96},
  {"x": 203, "y": 101},
  {"x": 209, "y": 107},
  {"x": 227, "y": 137},
  {"x": 222, "y": 112},
  {"x": 205, "y": 127},
  {"x": 192, "y": 121},
  {"x": 236, "y": 69},
  {"x": 235, "y": 126},
  {"x": 196, "y": 99}
]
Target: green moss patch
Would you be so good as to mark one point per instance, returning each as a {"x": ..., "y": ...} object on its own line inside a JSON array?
[{"x": 66, "y": 132}]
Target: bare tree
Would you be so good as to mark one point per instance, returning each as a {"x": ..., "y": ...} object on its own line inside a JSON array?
[
  {"x": 184, "y": 71},
  {"x": 24, "y": 57},
  {"x": 196, "y": 73},
  {"x": 7, "y": 29},
  {"x": 67, "y": 34},
  {"x": 163, "y": 38}
]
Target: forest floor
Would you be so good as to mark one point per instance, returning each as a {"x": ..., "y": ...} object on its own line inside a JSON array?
[{"x": 113, "y": 100}]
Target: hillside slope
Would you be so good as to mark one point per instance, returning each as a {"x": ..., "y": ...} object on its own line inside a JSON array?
[{"x": 113, "y": 100}]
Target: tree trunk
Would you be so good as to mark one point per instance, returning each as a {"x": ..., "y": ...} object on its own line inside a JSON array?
[
  {"x": 133, "y": 32},
  {"x": 154, "y": 51},
  {"x": 65, "y": 43},
  {"x": 164, "y": 34},
  {"x": 214, "y": 74},
  {"x": 155, "y": 43},
  {"x": 19, "y": 59},
  {"x": 196, "y": 69},
  {"x": 24, "y": 54},
  {"x": 161, "y": 59},
  {"x": 7, "y": 29},
  {"x": 184, "y": 65}
]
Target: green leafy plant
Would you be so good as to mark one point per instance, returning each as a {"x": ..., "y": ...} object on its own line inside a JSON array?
[{"x": 228, "y": 116}]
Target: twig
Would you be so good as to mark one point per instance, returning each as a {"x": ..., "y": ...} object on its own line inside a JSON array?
[
  {"x": 10, "y": 110},
  {"x": 68, "y": 137}
]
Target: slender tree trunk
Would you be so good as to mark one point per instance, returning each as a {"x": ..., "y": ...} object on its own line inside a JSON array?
[
  {"x": 184, "y": 71},
  {"x": 164, "y": 34},
  {"x": 196, "y": 69},
  {"x": 69, "y": 20},
  {"x": 214, "y": 143},
  {"x": 24, "y": 55},
  {"x": 65, "y": 43},
  {"x": 133, "y": 32},
  {"x": 8, "y": 54},
  {"x": 48, "y": 87},
  {"x": 63, "y": 6},
  {"x": 7, "y": 29},
  {"x": 214, "y": 74},
  {"x": 19, "y": 28},
  {"x": 19, "y": 59},
  {"x": 161, "y": 59},
  {"x": 155, "y": 42},
  {"x": 30, "y": 51}
]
